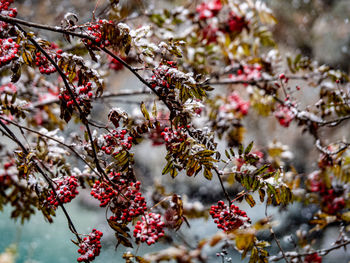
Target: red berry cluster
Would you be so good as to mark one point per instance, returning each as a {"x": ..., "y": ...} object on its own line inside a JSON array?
[
  {"x": 247, "y": 73},
  {"x": 5, "y": 9},
  {"x": 285, "y": 114},
  {"x": 8, "y": 51},
  {"x": 116, "y": 141},
  {"x": 235, "y": 23},
  {"x": 103, "y": 192},
  {"x": 66, "y": 190},
  {"x": 130, "y": 203},
  {"x": 115, "y": 64},
  {"x": 228, "y": 219},
  {"x": 235, "y": 104},
  {"x": 83, "y": 95},
  {"x": 162, "y": 76},
  {"x": 313, "y": 258},
  {"x": 149, "y": 229},
  {"x": 45, "y": 66},
  {"x": 90, "y": 246},
  {"x": 94, "y": 30},
  {"x": 332, "y": 201},
  {"x": 209, "y": 10},
  {"x": 172, "y": 136}
]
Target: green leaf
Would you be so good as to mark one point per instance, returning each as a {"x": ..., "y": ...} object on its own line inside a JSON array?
[
  {"x": 154, "y": 110},
  {"x": 250, "y": 200},
  {"x": 208, "y": 174},
  {"x": 254, "y": 255},
  {"x": 144, "y": 111},
  {"x": 262, "y": 195},
  {"x": 290, "y": 64},
  {"x": 267, "y": 175},
  {"x": 240, "y": 149},
  {"x": 249, "y": 148},
  {"x": 262, "y": 169},
  {"x": 173, "y": 172},
  {"x": 168, "y": 167}
]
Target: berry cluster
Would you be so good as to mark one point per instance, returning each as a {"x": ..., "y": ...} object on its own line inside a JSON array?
[
  {"x": 313, "y": 258},
  {"x": 247, "y": 73},
  {"x": 115, "y": 64},
  {"x": 284, "y": 114},
  {"x": 235, "y": 104},
  {"x": 235, "y": 23},
  {"x": 8, "y": 51},
  {"x": 162, "y": 76},
  {"x": 106, "y": 190},
  {"x": 209, "y": 10},
  {"x": 228, "y": 219},
  {"x": 83, "y": 96},
  {"x": 116, "y": 141},
  {"x": 103, "y": 192},
  {"x": 171, "y": 136},
  {"x": 5, "y": 10},
  {"x": 332, "y": 200},
  {"x": 45, "y": 66},
  {"x": 149, "y": 229},
  {"x": 130, "y": 203},
  {"x": 95, "y": 31},
  {"x": 124, "y": 195},
  {"x": 90, "y": 246},
  {"x": 66, "y": 190}
]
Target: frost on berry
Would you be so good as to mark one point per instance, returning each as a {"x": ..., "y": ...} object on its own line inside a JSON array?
[
  {"x": 163, "y": 78},
  {"x": 173, "y": 136},
  {"x": 45, "y": 66},
  {"x": 123, "y": 197},
  {"x": 66, "y": 189},
  {"x": 149, "y": 229},
  {"x": 107, "y": 34},
  {"x": 95, "y": 30},
  {"x": 284, "y": 114},
  {"x": 129, "y": 204},
  {"x": 90, "y": 246},
  {"x": 116, "y": 141},
  {"x": 5, "y": 10},
  {"x": 247, "y": 73},
  {"x": 8, "y": 51},
  {"x": 229, "y": 218},
  {"x": 234, "y": 105},
  {"x": 208, "y": 10}
]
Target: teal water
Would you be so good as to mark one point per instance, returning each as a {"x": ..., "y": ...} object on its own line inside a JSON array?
[{"x": 40, "y": 241}]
